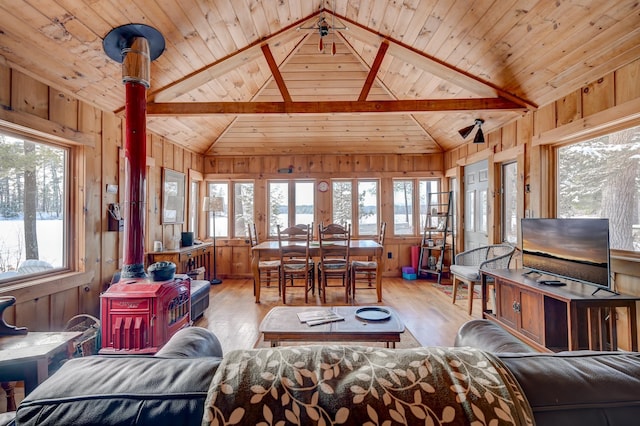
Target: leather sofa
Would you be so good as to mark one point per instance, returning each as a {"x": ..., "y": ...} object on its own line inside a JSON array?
[{"x": 186, "y": 383}]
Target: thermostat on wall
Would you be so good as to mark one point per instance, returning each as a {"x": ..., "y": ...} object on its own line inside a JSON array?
[{"x": 112, "y": 188}]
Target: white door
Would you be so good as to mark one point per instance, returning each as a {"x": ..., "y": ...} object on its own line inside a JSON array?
[{"x": 476, "y": 179}]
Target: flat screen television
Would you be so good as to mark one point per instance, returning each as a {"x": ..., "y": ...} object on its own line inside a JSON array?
[{"x": 573, "y": 248}]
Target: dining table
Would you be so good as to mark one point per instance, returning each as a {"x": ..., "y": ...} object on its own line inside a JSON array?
[{"x": 270, "y": 249}]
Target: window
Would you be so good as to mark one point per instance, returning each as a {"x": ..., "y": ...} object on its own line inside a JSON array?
[
  {"x": 240, "y": 207},
  {"x": 194, "y": 197},
  {"x": 426, "y": 187},
  {"x": 509, "y": 204},
  {"x": 368, "y": 205},
  {"x": 361, "y": 207},
  {"x": 34, "y": 207},
  {"x": 600, "y": 178},
  {"x": 403, "y": 211},
  {"x": 409, "y": 207},
  {"x": 342, "y": 201},
  {"x": 218, "y": 221},
  {"x": 290, "y": 203}
]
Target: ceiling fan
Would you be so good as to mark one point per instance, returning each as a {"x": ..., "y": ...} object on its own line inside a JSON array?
[{"x": 479, "y": 137}]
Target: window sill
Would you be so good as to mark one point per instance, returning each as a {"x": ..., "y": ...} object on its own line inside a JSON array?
[{"x": 45, "y": 286}]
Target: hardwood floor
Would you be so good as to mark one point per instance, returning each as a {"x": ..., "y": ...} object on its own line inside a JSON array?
[{"x": 426, "y": 311}]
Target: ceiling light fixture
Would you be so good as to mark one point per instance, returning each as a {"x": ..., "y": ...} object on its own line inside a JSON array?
[
  {"x": 479, "y": 137},
  {"x": 323, "y": 28}
]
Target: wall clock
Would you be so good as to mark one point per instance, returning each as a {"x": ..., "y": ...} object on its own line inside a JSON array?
[{"x": 323, "y": 186}]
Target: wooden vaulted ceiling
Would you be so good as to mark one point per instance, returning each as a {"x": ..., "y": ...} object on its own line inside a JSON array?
[{"x": 239, "y": 77}]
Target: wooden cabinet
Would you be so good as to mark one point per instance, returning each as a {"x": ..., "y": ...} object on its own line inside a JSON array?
[
  {"x": 186, "y": 258},
  {"x": 549, "y": 318},
  {"x": 520, "y": 309}
]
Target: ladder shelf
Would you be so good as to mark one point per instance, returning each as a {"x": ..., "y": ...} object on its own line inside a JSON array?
[{"x": 437, "y": 245}]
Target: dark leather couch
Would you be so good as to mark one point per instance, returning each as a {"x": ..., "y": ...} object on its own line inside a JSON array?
[
  {"x": 170, "y": 388},
  {"x": 568, "y": 388}
]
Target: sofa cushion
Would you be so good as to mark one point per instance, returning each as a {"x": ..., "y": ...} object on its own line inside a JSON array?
[
  {"x": 579, "y": 388},
  {"x": 121, "y": 390},
  {"x": 489, "y": 336},
  {"x": 359, "y": 385},
  {"x": 191, "y": 342}
]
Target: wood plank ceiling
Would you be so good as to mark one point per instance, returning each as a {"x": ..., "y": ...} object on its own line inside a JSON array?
[{"x": 240, "y": 77}]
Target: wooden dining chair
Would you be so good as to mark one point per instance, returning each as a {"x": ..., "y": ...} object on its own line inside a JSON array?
[
  {"x": 295, "y": 261},
  {"x": 364, "y": 271},
  {"x": 334, "y": 243},
  {"x": 268, "y": 270}
]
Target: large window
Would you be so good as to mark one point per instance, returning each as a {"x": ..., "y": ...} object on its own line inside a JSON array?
[
  {"x": 360, "y": 207},
  {"x": 237, "y": 205},
  {"x": 601, "y": 178},
  {"x": 290, "y": 203},
  {"x": 34, "y": 207}
]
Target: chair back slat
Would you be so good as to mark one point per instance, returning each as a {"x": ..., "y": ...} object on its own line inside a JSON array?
[
  {"x": 293, "y": 243},
  {"x": 334, "y": 246},
  {"x": 253, "y": 234}
]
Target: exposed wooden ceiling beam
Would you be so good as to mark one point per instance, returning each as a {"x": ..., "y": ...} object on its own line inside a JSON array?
[
  {"x": 332, "y": 107},
  {"x": 373, "y": 71},
  {"x": 275, "y": 72},
  {"x": 430, "y": 64},
  {"x": 226, "y": 64}
]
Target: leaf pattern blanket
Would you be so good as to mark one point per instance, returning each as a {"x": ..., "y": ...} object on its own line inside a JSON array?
[{"x": 359, "y": 385}]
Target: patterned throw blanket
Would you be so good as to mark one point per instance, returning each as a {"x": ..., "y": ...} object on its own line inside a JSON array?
[{"x": 358, "y": 385}]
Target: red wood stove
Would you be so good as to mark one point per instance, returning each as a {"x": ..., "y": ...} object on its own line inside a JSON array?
[{"x": 139, "y": 315}]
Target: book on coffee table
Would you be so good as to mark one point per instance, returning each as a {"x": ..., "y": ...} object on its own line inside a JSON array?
[{"x": 319, "y": 317}]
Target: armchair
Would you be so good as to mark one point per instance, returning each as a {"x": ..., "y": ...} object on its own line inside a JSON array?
[{"x": 469, "y": 263}]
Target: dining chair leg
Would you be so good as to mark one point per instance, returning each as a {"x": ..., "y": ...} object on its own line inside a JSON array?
[
  {"x": 471, "y": 285},
  {"x": 284, "y": 289},
  {"x": 455, "y": 289},
  {"x": 324, "y": 288},
  {"x": 347, "y": 288}
]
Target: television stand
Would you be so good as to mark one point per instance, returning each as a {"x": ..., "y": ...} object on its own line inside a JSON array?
[{"x": 554, "y": 318}]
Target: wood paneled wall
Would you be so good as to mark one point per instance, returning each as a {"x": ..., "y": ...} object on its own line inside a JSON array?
[
  {"x": 29, "y": 104},
  {"x": 32, "y": 108},
  {"x": 233, "y": 255},
  {"x": 610, "y": 103}
]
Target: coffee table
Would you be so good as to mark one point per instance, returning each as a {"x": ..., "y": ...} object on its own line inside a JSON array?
[{"x": 281, "y": 324}]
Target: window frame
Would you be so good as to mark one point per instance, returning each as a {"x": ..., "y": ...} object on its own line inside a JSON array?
[
  {"x": 553, "y": 161},
  {"x": 73, "y": 225},
  {"x": 291, "y": 201},
  {"x": 419, "y": 213},
  {"x": 355, "y": 205},
  {"x": 229, "y": 208},
  {"x": 503, "y": 203}
]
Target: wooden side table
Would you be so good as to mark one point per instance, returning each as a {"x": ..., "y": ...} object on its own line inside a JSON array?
[
  {"x": 26, "y": 357},
  {"x": 186, "y": 258}
]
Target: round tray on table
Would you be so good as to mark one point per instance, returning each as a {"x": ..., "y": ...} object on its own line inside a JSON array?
[{"x": 373, "y": 313}]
